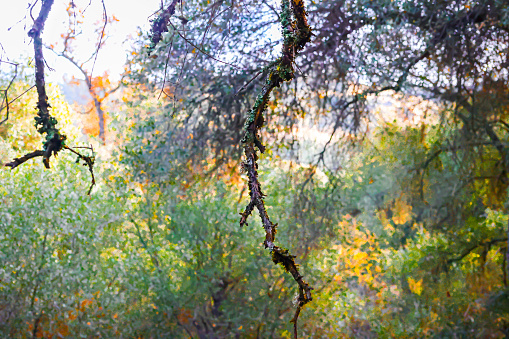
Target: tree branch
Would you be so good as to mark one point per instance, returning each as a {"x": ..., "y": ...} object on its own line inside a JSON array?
[
  {"x": 473, "y": 247},
  {"x": 296, "y": 34},
  {"x": 160, "y": 25},
  {"x": 54, "y": 139}
]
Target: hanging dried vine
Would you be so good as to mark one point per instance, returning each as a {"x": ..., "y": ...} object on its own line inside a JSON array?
[
  {"x": 46, "y": 124},
  {"x": 296, "y": 34},
  {"x": 160, "y": 25}
]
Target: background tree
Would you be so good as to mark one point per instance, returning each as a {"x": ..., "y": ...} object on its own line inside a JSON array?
[{"x": 99, "y": 87}]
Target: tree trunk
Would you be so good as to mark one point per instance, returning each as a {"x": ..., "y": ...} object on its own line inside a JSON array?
[{"x": 100, "y": 115}]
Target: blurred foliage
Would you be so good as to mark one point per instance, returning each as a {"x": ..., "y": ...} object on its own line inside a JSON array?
[{"x": 395, "y": 244}]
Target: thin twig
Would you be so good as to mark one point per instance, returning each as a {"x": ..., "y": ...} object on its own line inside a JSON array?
[
  {"x": 201, "y": 50},
  {"x": 166, "y": 68},
  {"x": 89, "y": 161},
  {"x": 12, "y": 101},
  {"x": 105, "y": 16},
  {"x": 247, "y": 83},
  {"x": 6, "y": 90}
]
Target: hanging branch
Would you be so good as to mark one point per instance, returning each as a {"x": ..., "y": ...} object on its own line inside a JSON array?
[
  {"x": 87, "y": 161},
  {"x": 44, "y": 122},
  {"x": 296, "y": 33},
  {"x": 160, "y": 25}
]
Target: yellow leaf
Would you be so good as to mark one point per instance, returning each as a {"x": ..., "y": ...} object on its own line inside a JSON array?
[
  {"x": 359, "y": 257},
  {"x": 402, "y": 212},
  {"x": 415, "y": 286}
]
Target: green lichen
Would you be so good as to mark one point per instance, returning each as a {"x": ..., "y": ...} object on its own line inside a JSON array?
[
  {"x": 296, "y": 33},
  {"x": 46, "y": 124}
]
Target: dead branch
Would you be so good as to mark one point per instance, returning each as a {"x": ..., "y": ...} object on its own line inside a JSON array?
[{"x": 296, "y": 34}]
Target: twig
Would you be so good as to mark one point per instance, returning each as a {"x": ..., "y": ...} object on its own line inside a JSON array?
[
  {"x": 6, "y": 90},
  {"x": 89, "y": 161},
  {"x": 105, "y": 16},
  {"x": 12, "y": 101},
  {"x": 201, "y": 50},
  {"x": 247, "y": 83},
  {"x": 166, "y": 69}
]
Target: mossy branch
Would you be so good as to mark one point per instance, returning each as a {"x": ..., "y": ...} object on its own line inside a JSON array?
[
  {"x": 46, "y": 124},
  {"x": 296, "y": 34}
]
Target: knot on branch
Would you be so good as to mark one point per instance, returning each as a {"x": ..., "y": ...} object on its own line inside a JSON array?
[{"x": 33, "y": 32}]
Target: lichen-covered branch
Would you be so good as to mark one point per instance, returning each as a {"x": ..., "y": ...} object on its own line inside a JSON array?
[
  {"x": 44, "y": 122},
  {"x": 296, "y": 33}
]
